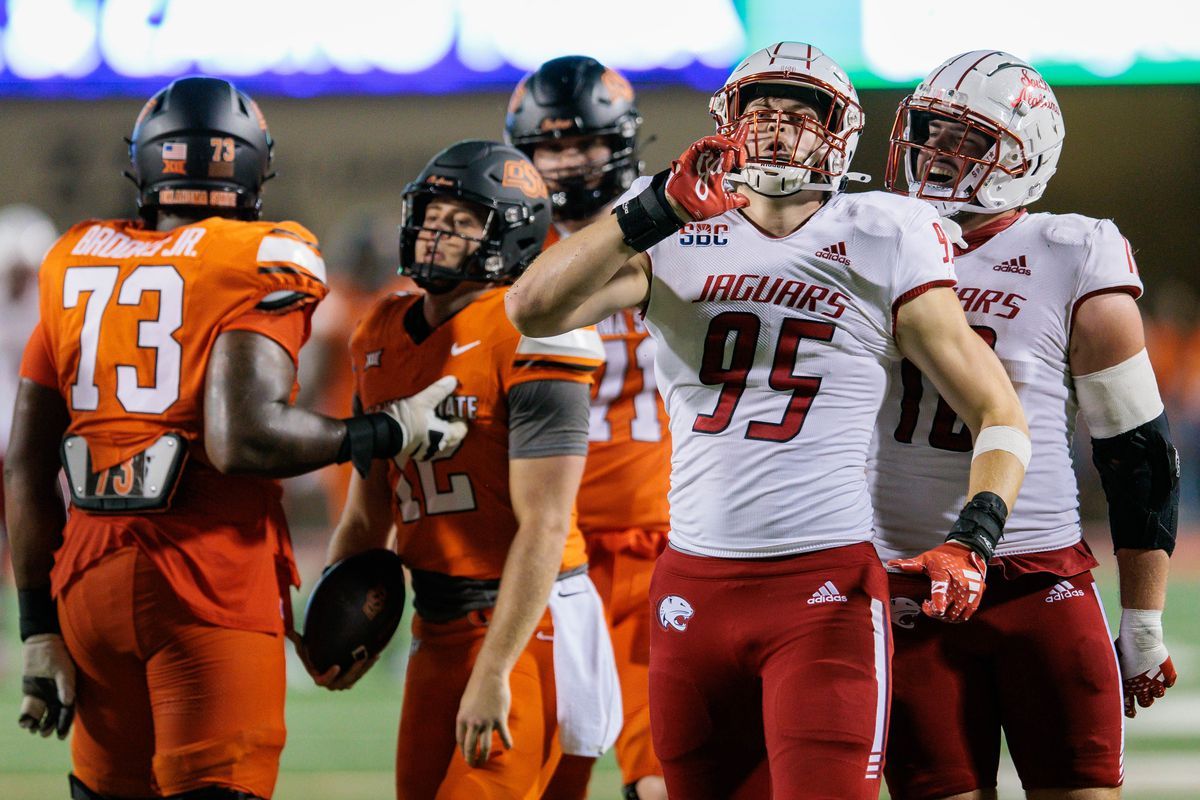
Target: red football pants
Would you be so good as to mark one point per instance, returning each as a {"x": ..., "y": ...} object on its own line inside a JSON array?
[
  {"x": 782, "y": 658},
  {"x": 1036, "y": 660}
]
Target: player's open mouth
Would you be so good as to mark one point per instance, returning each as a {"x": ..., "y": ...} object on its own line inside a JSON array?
[{"x": 941, "y": 174}]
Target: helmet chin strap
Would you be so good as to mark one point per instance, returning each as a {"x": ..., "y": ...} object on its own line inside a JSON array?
[{"x": 758, "y": 187}]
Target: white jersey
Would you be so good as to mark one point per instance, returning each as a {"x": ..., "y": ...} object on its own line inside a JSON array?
[
  {"x": 772, "y": 359},
  {"x": 1019, "y": 290}
]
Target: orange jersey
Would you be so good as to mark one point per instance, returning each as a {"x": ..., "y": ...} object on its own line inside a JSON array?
[
  {"x": 629, "y": 454},
  {"x": 453, "y": 514},
  {"x": 129, "y": 317}
]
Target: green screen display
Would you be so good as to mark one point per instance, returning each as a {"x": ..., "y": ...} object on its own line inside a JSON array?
[{"x": 894, "y": 43}]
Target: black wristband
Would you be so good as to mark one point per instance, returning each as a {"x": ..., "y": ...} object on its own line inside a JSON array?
[
  {"x": 980, "y": 524},
  {"x": 368, "y": 437},
  {"x": 38, "y": 612},
  {"x": 646, "y": 219}
]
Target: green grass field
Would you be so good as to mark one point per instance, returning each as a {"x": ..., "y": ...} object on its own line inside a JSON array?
[{"x": 340, "y": 746}]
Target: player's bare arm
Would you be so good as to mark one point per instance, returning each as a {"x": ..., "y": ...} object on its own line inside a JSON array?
[
  {"x": 1132, "y": 450},
  {"x": 35, "y": 518},
  {"x": 933, "y": 333},
  {"x": 543, "y": 496},
  {"x": 251, "y": 427},
  {"x": 579, "y": 282}
]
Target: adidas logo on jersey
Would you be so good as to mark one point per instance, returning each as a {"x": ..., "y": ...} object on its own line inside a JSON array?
[
  {"x": 1063, "y": 590},
  {"x": 835, "y": 252},
  {"x": 828, "y": 593},
  {"x": 1016, "y": 265}
]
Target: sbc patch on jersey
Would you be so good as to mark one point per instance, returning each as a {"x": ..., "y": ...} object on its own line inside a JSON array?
[{"x": 674, "y": 612}]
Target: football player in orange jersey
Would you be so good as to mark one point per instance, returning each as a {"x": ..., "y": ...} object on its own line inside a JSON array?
[
  {"x": 577, "y": 121},
  {"x": 510, "y": 655},
  {"x": 162, "y": 370}
]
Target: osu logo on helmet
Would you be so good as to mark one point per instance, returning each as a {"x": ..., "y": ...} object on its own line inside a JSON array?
[
  {"x": 617, "y": 85},
  {"x": 522, "y": 175}
]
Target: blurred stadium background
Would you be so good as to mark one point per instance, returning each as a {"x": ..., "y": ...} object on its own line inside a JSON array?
[{"x": 360, "y": 93}]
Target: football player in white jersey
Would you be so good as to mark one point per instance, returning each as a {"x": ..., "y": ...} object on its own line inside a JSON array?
[
  {"x": 1054, "y": 296},
  {"x": 778, "y": 309}
]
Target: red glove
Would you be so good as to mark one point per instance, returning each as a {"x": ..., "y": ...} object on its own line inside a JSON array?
[
  {"x": 956, "y": 580},
  {"x": 697, "y": 179},
  {"x": 1146, "y": 668},
  {"x": 1148, "y": 686}
]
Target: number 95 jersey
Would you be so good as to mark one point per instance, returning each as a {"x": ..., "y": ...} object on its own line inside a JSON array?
[
  {"x": 129, "y": 317},
  {"x": 772, "y": 359}
]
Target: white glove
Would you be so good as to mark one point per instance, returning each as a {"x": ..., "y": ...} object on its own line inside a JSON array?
[
  {"x": 48, "y": 685},
  {"x": 1146, "y": 668},
  {"x": 427, "y": 431}
]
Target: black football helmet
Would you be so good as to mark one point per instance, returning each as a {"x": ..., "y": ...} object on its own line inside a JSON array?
[
  {"x": 578, "y": 96},
  {"x": 200, "y": 146},
  {"x": 504, "y": 183}
]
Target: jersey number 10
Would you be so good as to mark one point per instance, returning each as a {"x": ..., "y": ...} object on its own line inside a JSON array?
[{"x": 946, "y": 432}]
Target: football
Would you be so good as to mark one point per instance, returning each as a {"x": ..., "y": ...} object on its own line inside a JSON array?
[{"x": 354, "y": 609}]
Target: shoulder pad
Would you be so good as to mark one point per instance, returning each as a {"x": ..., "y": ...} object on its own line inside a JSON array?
[
  {"x": 284, "y": 247},
  {"x": 883, "y": 214},
  {"x": 1070, "y": 229}
]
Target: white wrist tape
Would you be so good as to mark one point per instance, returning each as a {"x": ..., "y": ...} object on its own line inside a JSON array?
[
  {"x": 1002, "y": 437},
  {"x": 1119, "y": 398},
  {"x": 1140, "y": 641}
]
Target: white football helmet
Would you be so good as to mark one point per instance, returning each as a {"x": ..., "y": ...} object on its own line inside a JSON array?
[
  {"x": 798, "y": 71},
  {"x": 988, "y": 93}
]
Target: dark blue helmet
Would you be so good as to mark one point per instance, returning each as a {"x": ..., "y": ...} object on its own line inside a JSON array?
[{"x": 200, "y": 146}]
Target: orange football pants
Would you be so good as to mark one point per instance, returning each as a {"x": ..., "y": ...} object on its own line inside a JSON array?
[
  {"x": 428, "y": 764},
  {"x": 620, "y": 564},
  {"x": 166, "y": 703}
]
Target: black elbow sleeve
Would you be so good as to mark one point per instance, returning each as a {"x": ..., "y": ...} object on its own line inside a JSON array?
[{"x": 1139, "y": 470}]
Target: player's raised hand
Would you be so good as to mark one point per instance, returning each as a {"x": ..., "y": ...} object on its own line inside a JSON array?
[
  {"x": 47, "y": 686},
  {"x": 697, "y": 181},
  {"x": 427, "y": 429},
  {"x": 1146, "y": 668},
  {"x": 955, "y": 580}
]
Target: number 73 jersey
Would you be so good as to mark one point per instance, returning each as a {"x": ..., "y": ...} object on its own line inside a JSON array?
[
  {"x": 772, "y": 360},
  {"x": 129, "y": 317}
]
